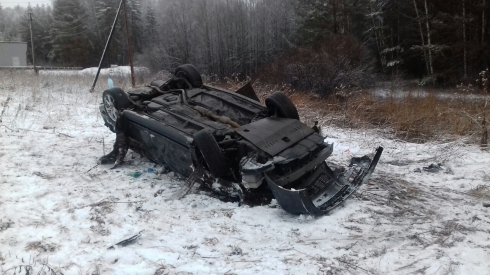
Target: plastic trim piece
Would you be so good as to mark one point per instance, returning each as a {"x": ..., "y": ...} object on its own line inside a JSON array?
[{"x": 300, "y": 201}]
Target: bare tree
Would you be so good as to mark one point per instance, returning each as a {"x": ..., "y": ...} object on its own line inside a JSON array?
[
  {"x": 465, "y": 62},
  {"x": 429, "y": 45},
  {"x": 484, "y": 23},
  {"x": 424, "y": 49}
]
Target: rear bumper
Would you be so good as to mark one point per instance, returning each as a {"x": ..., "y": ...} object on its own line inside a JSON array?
[{"x": 325, "y": 190}]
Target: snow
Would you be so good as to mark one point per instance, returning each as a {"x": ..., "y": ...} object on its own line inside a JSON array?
[
  {"x": 404, "y": 90},
  {"x": 58, "y": 207},
  {"x": 119, "y": 71}
]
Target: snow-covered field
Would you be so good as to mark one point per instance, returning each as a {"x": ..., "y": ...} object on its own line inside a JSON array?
[
  {"x": 120, "y": 71},
  {"x": 59, "y": 210}
]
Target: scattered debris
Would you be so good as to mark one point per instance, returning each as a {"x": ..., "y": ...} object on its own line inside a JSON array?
[
  {"x": 236, "y": 251},
  {"x": 136, "y": 174},
  {"x": 191, "y": 180},
  {"x": 128, "y": 241},
  {"x": 449, "y": 171},
  {"x": 61, "y": 134},
  {"x": 159, "y": 192},
  {"x": 359, "y": 161},
  {"x": 398, "y": 163},
  {"x": 92, "y": 168},
  {"x": 433, "y": 168}
]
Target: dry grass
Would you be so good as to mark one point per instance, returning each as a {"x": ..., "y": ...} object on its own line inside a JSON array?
[
  {"x": 481, "y": 191},
  {"x": 47, "y": 98},
  {"x": 416, "y": 116},
  {"x": 416, "y": 119},
  {"x": 412, "y": 118}
]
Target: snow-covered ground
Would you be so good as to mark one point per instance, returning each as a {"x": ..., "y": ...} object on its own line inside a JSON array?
[
  {"x": 407, "y": 89},
  {"x": 59, "y": 210},
  {"x": 120, "y": 71}
]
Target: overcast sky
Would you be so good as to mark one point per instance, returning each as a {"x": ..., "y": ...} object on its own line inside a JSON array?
[{"x": 23, "y": 3}]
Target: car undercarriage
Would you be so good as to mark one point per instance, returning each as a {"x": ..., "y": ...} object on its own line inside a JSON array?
[{"x": 231, "y": 143}]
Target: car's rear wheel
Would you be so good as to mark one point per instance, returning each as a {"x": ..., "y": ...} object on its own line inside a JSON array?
[
  {"x": 115, "y": 100},
  {"x": 278, "y": 104},
  {"x": 212, "y": 154},
  {"x": 190, "y": 73}
]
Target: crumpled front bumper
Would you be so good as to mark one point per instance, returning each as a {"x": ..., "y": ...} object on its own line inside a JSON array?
[{"x": 325, "y": 189}]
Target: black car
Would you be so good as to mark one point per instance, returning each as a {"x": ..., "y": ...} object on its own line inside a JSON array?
[{"x": 231, "y": 143}]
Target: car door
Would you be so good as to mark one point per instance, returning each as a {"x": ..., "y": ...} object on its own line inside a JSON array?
[{"x": 161, "y": 142}]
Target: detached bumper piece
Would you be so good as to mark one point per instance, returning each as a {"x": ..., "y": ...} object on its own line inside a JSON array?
[{"x": 325, "y": 189}]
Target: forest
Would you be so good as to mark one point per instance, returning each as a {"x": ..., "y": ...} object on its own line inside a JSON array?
[{"x": 313, "y": 44}]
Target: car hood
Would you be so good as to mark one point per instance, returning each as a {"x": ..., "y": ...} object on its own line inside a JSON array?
[{"x": 273, "y": 134}]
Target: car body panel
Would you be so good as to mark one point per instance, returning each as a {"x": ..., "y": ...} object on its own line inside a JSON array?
[
  {"x": 162, "y": 144},
  {"x": 274, "y": 134}
]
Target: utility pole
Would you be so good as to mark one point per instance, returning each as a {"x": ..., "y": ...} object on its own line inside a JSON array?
[
  {"x": 29, "y": 12},
  {"x": 130, "y": 47},
  {"x": 106, "y": 46}
]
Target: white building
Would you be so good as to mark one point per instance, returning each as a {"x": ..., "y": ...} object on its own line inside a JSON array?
[{"x": 13, "y": 54}]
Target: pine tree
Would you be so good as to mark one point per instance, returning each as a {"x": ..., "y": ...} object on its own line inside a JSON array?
[
  {"x": 318, "y": 18},
  {"x": 41, "y": 25},
  {"x": 136, "y": 25},
  {"x": 151, "y": 25},
  {"x": 71, "y": 44},
  {"x": 106, "y": 11}
]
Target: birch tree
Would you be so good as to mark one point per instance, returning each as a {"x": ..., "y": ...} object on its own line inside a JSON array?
[{"x": 422, "y": 37}]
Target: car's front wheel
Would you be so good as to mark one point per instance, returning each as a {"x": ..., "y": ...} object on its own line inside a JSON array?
[
  {"x": 279, "y": 105},
  {"x": 115, "y": 100},
  {"x": 190, "y": 73}
]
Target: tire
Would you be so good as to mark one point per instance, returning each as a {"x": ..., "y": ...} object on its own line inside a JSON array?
[
  {"x": 190, "y": 73},
  {"x": 115, "y": 100},
  {"x": 278, "y": 104},
  {"x": 212, "y": 154}
]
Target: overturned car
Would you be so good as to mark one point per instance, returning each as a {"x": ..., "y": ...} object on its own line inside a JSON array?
[{"x": 231, "y": 143}]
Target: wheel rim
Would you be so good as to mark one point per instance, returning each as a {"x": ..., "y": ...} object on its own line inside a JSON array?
[{"x": 110, "y": 107}]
